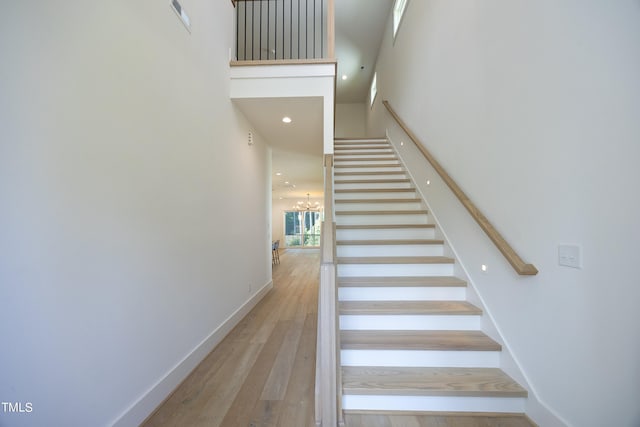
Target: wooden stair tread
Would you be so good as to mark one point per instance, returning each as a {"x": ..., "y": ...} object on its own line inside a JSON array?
[
  {"x": 381, "y": 226},
  {"x": 396, "y": 260},
  {"x": 407, "y": 200},
  {"x": 487, "y": 382},
  {"x": 360, "y": 149},
  {"x": 364, "y": 417},
  {"x": 372, "y": 181},
  {"x": 365, "y": 159},
  {"x": 369, "y": 173},
  {"x": 389, "y": 212},
  {"x": 390, "y": 242},
  {"x": 408, "y": 308},
  {"x": 417, "y": 340},
  {"x": 360, "y": 141},
  {"x": 400, "y": 281},
  {"x": 376, "y": 190},
  {"x": 383, "y": 165},
  {"x": 337, "y": 154}
]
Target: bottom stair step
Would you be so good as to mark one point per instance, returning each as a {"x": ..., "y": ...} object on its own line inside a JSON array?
[
  {"x": 359, "y": 418},
  {"x": 401, "y": 381},
  {"x": 431, "y": 389}
]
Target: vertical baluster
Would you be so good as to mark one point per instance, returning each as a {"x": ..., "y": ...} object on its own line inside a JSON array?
[
  {"x": 283, "y": 27},
  {"x": 275, "y": 32},
  {"x": 298, "y": 29},
  {"x": 260, "y": 45},
  {"x": 290, "y": 29},
  {"x": 245, "y": 29},
  {"x": 268, "y": 27},
  {"x": 322, "y": 28},
  {"x": 237, "y": 30},
  {"x": 253, "y": 26},
  {"x": 306, "y": 29}
]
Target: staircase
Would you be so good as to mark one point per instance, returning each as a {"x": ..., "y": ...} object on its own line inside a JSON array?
[{"x": 409, "y": 339}]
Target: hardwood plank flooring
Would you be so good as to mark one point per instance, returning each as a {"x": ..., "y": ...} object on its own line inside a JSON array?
[{"x": 263, "y": 372}]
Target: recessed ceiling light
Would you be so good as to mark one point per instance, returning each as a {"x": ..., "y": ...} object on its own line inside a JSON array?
[
  {"x": 344, "y": 77},
  {"x": 278, "y": 173},
  {"x": 286, "y": 119},
  {"x": 286, "y": 182}
]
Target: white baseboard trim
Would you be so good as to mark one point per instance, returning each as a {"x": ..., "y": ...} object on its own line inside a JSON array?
[{"x": 149, "y": 401}]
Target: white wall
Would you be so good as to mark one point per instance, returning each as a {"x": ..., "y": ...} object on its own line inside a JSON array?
[
  {"x": 350, "y": 120},
  {"x": 130, "y": 210},
  {"x": 533, "y": 108}
]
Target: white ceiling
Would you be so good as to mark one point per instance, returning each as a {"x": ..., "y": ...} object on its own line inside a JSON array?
[
  {"x": 297, "y": 147},
  {"x": 302, "y": 135}
]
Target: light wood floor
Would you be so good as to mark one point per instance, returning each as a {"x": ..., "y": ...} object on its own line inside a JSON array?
[{"x": 262, "y": 374}]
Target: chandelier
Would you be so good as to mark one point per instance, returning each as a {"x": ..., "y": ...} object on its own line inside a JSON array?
[{"x": 308, "y": 206}]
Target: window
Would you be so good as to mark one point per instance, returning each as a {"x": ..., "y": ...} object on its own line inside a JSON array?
[
  {"x": 302, "y": 228},
  {"x": 398, "y": 10},
  {"x": 374, "y": 88}
]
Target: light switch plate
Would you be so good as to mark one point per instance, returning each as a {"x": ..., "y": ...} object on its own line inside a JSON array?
[{"x": 569, "y": 256}]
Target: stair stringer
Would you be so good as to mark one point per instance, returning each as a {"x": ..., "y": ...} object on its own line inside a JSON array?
[{"x": 536, "y": 408}]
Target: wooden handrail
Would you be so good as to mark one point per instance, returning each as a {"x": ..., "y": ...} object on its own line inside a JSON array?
[{"x": 512, "y": 257}]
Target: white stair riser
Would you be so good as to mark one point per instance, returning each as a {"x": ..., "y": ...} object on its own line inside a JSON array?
[
  {"x": 381, "y": 219},
  {"x": 369, "y": 270},
  {"x": 378, "y": 195},
  {"x": 392, "y": 322},
  {"x": 421, "y": 358},
  {"x": 377, "y": 206},
  {"x": 363, "y": 185},
  {"x": 389, "y": 250},
  {"x": 402, "y": 294},
  {"x": 400, "y": 233},
  {"x": 434, "y": 403}
]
